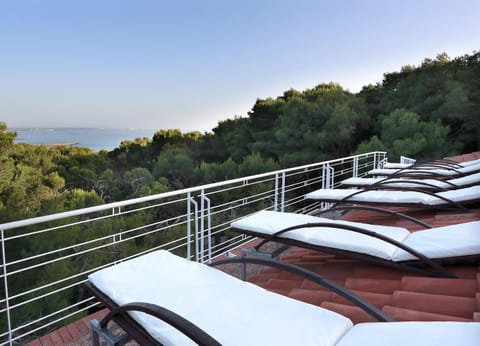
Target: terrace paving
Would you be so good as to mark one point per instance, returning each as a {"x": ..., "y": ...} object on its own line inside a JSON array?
[{"x": 403, "y": 296}]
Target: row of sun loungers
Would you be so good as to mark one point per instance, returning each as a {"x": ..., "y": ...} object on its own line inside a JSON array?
[
  {"x": 452, "y": 186},
  {"x": 162, "y": 299}
]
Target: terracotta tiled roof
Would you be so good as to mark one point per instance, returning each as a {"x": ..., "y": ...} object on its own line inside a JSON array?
[{"x": 402, "y": 296}]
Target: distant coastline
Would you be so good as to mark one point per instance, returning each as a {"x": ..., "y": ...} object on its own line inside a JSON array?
[{"x": 94, "y": 138}]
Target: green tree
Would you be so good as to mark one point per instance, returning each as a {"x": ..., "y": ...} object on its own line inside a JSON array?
[
  {"x": 7, "y": 138},
  {"x": 325, "y": 122},
  {"x": 139, "y": 181},
  {"x": 176, "y": 165},
  {"x": 403, "y": 133}
]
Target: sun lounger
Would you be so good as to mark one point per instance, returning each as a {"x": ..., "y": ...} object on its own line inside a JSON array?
[
  {"x": 420, "y": 252},
  {"x": 221, "y": 310},
  {"x": 412, "y": 198},
  {"x": 428, "y": 184},
  {"x": 430, "y": 170}
]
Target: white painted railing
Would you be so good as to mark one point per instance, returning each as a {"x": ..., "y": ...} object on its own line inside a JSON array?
[
  {"x": 407, "y": 160},
  {"x": 45, "y": 260}
]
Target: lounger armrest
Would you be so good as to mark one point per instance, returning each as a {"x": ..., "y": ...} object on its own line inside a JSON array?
[
  {"x": 347, "y": 198},
  {"x": 437, "y": 165},
  {"x": 167, "y": 316},
  {"x": 375, "y": 209},
  {"x": 438, "y": 162},
  {"x": 390, "y": 183}
]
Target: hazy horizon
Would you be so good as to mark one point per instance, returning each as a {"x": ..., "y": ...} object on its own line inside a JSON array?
[{"x": 189, "y": 64}]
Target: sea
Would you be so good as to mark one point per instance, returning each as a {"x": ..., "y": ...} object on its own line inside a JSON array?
[{"x": 94, "y": 138}]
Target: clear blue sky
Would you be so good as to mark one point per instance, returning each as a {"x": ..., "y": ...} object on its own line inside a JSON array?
[{"x": 189, "y": 64}]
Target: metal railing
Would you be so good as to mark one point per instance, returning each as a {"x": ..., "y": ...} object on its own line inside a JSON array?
[
  {"x": 407, "y": 160},
  {"x": 46, "y": 260}
]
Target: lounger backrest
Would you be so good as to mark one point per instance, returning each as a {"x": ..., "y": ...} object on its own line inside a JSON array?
[
  {"x": 444, "y": 242},
  {"x": 413, "y": 334},
  {"x": 469, "y": 179},
  {"x": 470, "y": 163},
  {"x": 459, "y": 195}
]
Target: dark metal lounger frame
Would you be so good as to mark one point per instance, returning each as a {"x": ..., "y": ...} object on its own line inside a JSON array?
[
  {"x": 448, "y": 205},
  {"x": 422, "y": 185},
  {"x": 133, "y": 330}
]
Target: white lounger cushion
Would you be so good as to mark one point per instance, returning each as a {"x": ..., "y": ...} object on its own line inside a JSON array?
[
  {"x": 413, "y": 334},
  {"x": 401, "y": 183},
  {"x": 445, "y": 172},
  {"x": 441, "y": 242},
  {"x": 232, "y": 311},
  {"x": 470, "y": 163},
  {"x": 396, "y": 165},
  {"x": 269, "y": 222},
  {"x": 399, "y": 197},
  {"x": 444, "y": 242}
]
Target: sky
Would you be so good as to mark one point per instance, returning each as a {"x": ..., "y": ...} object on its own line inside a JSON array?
[{"x": 186, "y": 64}]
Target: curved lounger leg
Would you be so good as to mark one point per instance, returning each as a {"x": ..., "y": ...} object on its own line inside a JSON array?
[
  {"x": 448, "y": 202},
  {"x": 186, "y": 327}
]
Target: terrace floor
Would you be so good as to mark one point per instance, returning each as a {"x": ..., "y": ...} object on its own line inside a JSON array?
[{"x": 400, "y": 295}]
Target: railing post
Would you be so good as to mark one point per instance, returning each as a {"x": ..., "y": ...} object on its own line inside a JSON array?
[
  {"x": 202, "y": 226},
  {"x": 244, "y": 200},
  {"x": 190, "y": 199},
  {"x": 355, "y": 167},
  {"x": 209, "y": 227},
  {"x": 328, "y": 177},
  {"x": 282, "y": 201},
  {"x": 5, "y": 282},
  {"x": 204, "y": 199},
  {"x": 189, "y": 226},
  {"x": 275, "y": 203},
  {"x": 332, "y": 177}
]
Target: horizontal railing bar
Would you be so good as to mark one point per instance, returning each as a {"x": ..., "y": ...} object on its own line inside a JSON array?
[
  {"x": 89, "y": 220},
  {"x": 89, "y": 242},
  {"x": 250, "y": 183},
  {"x": 12, "y": 307},
  {"x": 71, "y": 277},
  {"x": 53, "y": 322}
]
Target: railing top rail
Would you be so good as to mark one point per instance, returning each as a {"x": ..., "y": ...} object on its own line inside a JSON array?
[{"x": 109, "y": 206}]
